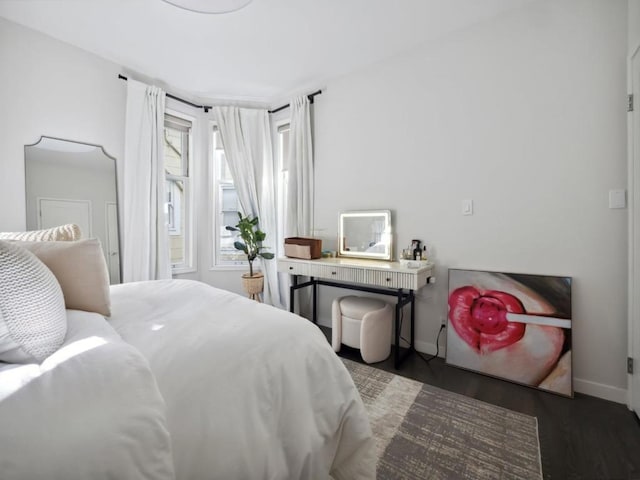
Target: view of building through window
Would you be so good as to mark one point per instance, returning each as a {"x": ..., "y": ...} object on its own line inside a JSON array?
[
  {"x": 282, "y": 178},
  {"x": 177, "y": 132},
  {"x": 226, "y": 208},
  {"x": 226, "y": 204}
]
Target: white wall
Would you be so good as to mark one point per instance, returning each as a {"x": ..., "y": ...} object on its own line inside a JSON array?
[
  {"x": 525, "y": 114},
  {"x": 634, "y": 25},
  {"x": 50, "y": 88}
]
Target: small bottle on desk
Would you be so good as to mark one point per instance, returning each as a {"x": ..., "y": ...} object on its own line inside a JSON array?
[{"x": 416, "y": 249}]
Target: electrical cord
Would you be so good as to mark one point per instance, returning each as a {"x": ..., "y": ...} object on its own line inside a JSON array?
[
  {"x": 437, "y": 347},
  {"x": 427, "y": 360}
]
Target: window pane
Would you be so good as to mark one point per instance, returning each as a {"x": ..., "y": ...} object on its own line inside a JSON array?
[
  {"x": 227, "y": 206},
  {"x": 176, "y": 212},
  {"x": 228, "y": 215},
  {"x": 283, "y": 144},
  {"x": 227, "y": 253},
  {"x": 176, "y": 147},
  {"x": 177, "y": 133},
  {"x": 284, "y": 148},
  {"x": 229, "y": 202},
  {"x": 229, "y": 219},
  {"x": 225, "y": 173}
]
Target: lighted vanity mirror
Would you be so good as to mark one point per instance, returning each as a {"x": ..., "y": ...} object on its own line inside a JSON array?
[
  {"x": 366, "y": 234},
  {"x": 74, "y": 182}
]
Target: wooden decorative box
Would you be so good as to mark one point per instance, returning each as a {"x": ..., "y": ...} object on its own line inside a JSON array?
[{"x": 301, "y": 247}]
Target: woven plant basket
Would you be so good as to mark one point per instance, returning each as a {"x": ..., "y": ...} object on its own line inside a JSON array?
[{"x": 253, "y": 285}]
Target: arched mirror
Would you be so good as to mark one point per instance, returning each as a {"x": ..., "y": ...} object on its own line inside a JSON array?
[{"x": 74, "y": 182}]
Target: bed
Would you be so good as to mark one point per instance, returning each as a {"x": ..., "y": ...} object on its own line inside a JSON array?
[{"x": 184, "y": 381}]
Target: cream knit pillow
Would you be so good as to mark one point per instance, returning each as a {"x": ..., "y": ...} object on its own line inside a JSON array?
[
  {"x": 33, "y": 320},
  {"x": 67, "y": 233}
]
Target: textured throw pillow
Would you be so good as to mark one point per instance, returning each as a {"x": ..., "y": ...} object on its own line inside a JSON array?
[
  {"x": 81, "y": 271},
  {"x": 33, "y": 320},
  {"x": 67, "y": 232}
]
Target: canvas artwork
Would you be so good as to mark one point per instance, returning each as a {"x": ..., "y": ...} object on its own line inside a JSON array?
[{"x": 512, "y": 326}]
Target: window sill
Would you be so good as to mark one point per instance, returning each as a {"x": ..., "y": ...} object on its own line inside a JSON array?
[
  {"x": 181, "y": 270},
  {"x": 228, "y": 268}
]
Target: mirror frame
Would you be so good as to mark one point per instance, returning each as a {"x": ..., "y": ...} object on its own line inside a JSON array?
[
  {"x": 115, "y": 164},
  {"x": 388, "y": 255}
]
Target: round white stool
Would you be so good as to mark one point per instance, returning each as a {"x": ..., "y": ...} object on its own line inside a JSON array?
[{"x": 364, "y": 323}]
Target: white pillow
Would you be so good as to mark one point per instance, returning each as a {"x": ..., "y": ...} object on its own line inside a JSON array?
[{"x": 33, "y": 320}]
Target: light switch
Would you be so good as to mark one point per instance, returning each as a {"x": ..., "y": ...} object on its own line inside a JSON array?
[
  {"x": 617, "y": 199},
  {"x": 467, "y": 206}
]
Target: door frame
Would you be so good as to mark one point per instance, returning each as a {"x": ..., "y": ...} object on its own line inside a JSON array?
[
  {"x": 108, "y": 248},
  {"x": 633, "y": 171}
]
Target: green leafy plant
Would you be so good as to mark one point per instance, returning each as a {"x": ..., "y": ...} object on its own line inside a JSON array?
[{"x": 252, "y": 238}]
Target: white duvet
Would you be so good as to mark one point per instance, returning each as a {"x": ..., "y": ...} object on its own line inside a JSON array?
[
  {"x": 251, "y": 392},
  {"x": 92, "y": 410}
]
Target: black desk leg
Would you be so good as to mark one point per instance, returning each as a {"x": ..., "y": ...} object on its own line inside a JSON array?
[
  {"x": 315, "y": 301},
  {"x": 294, "y": 282},
  {"x": 396, "y": 352},
  {"x": 413, "y": 320}
]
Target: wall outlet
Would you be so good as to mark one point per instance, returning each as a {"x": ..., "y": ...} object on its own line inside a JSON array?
[{"x": 443, "y": 321}]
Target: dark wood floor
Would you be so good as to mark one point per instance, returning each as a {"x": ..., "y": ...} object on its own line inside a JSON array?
[{"x": 580, "y": 438}]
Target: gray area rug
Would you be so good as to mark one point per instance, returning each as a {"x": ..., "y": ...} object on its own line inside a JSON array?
[{"x": 423, "y": 432}]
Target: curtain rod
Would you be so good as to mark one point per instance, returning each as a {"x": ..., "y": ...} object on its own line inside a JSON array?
[
  {"x": 208, "y": 107},
  {"x": 205, "y": 107},
  {"x": 310, "y": 97}
]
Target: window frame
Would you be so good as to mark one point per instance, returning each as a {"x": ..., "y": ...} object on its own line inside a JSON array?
[
  {"x": 187, "y": 222},
  {"x": 281, "y": 181}
]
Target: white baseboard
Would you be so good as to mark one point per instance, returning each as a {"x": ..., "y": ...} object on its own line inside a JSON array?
[
  {"x": 600, "y": 390},
  {"x": 606, "y": 392}
]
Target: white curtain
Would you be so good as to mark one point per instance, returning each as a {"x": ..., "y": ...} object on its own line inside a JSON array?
[
  {"x": 247, "y": 146},
  {"x": 298, "y": 220},
  {"x": 145, "y": 232},
  {"x": 299, "y": 215}
]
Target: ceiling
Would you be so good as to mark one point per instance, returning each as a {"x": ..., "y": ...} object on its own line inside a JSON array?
[{"x": 263, "y": 53}]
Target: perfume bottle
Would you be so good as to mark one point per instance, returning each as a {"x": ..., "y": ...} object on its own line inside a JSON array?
[{"x": 417, "y": 252}]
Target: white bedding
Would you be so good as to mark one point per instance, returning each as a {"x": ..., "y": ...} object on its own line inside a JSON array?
[
  {"x": 92, "y": 410},
  {"x": 251, "y": 392}
]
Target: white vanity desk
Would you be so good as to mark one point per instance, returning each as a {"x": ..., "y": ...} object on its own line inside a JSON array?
[{"x": 375, "y": 276}]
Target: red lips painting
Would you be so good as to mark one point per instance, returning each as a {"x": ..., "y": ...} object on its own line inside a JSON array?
[{"x": 512, "y": 326}]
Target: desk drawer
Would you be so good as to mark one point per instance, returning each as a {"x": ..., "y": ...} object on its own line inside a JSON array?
[
  {"x": 333, "y": 272},
  {"x": 391, "y": 279},
  {"x": 293, "y": 268},
  {"x": 381, "y": 278},
  {"x": 385, "y": 278}
]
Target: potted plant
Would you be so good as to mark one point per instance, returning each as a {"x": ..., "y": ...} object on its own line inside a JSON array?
[{"x": 251, "y": 244}]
